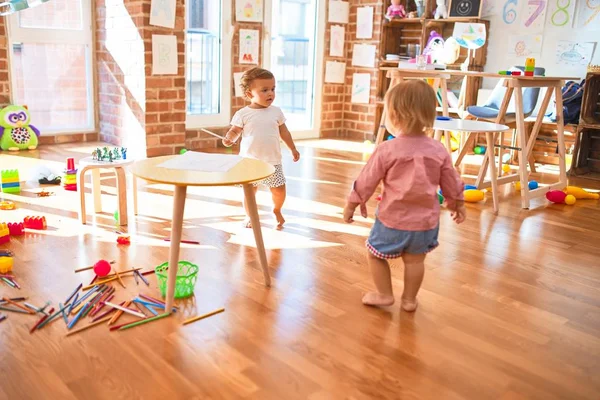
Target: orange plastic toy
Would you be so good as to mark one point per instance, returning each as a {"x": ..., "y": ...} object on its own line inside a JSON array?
[
  {"x": 38, "y": 223},
  {"x": 123, "y": 240},
  {"x": 7, "y": 205},
  {"x": 16, "y": 229},
  {"x": 4, "y": 233},
  {"x": 6, "y": 264}
]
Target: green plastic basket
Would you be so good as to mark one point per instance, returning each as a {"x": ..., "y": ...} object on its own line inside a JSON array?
[{"x": 187, "y": 273}]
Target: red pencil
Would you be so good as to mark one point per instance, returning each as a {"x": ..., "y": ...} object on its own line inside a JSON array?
[
  {"x": 41, "y": 320},
  {"x": 152, "y": 299},
  {"x": 183, "y": 241},
  {"x": 147, "y": 272}
]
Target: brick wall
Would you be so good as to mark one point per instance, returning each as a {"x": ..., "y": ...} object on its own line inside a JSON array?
[{"x": 4, "y": 81}]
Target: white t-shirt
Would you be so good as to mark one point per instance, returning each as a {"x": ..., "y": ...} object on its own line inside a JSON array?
[{"x": 260, "y": 135}]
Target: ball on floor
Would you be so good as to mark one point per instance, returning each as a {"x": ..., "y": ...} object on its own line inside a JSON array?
[
  {"x": 570, "y": 199},
  {"x": 102, "y": 268}
]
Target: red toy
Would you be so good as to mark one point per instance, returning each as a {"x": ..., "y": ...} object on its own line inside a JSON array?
[
  {"x": 38, "y": 223},
  {"x": 556, "y": 196},
  {"x": 102, "y": 268},
  {"x": 123, "y": 240},
  {"x": 16, "y": 229}
]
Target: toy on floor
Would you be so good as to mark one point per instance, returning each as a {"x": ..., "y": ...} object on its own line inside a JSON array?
[
  {"x": 102, "y": 268},
  {"x": 479, "y": 150},
  {"x": 70, "y": 181},
  {"x": 529, "y": 66},
  {"x": 44, "y": 193},
  {"x": 473, "y": 195},
  {"x": 16, "y": 229},
  {"x": 7, "y": 205},
  {"x": 15, "y": 130},
  {"x": 580, "y": 193},
  {"x": 38, "y": 223},
  {"x": 506, "y": 168},
  {"x": 6, "y": 265},
  {"x": 106, "y": 154},
  {"x": 10, "y": 182},
  {"x": 533, "y": 185},
  {"x": 123, "y": 240},
  {"x": 560, "y": 197},
  {"x": 4, "y": 233}
]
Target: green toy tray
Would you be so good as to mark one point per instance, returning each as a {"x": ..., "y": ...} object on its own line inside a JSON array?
[{"x": 187, "y": 273}]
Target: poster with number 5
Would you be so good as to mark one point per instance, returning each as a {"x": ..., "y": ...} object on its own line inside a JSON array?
[{"x": 533, "y": 15}]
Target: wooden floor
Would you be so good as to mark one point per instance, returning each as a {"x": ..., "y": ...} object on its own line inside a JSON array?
[{"x": 509, "y": 309}]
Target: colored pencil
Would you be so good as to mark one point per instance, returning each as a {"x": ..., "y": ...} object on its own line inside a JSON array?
[
  {"x": 91, "y": 267},
  {"x": 14, "y": 299},
  {"x": 119, "y": 313},
  {"x": 150, "y": 303},
  {"x": 101, "y": 305},
  {"x": 62, "y": 309},
  {"x": 76, "y": 318},
  {"x": 106, "y": 313},
  {"x": 127, "y": 271},
  {"x": 6, "y": 276},
  {"x": 40, "y": 321},
  {"x": 119, "y": 278},
  {"x": 17, "y": 305},
  {"x": 143, "y": 279},
  {"x": 150, "y": 308},
  {"x": 88, "y": 294},
  {"x": 183, "y": 241},
  {"x": 83, "y": 328},
  {"x": 73, "y": 294},
  {"x": 94, "y": 280},
  {"x": 15, "y": 283},
  {"x": 14, "y": 310},
  {"x": 9, "y": 282},
  {"x": 147, "y": 272},
  {"x": 125, "y": 309},
  {"x": 34, "y": 308},
  {"x": 82, "y": 304},
  {"x": 93, "y": 304},
  {"x": 145, "y": 320},
  {"x": 6, "y": 253},
  {"x": 99, "y": 283},
  {"x": 139, "y": 307},
  {"x": 198, "y": 318},
  {"x": 52, "y": 317},
  {"x": 2, "y": 317},
  {"x": 135, "y": 276}
]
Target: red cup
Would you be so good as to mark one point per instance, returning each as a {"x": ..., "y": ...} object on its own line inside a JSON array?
[{"x": 70, "y": 164}]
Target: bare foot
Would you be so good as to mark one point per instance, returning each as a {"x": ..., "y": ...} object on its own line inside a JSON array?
[
  {"x": 410, "y": 305},
  {"x": 377, "y": 299},
  {"x": 247, "y": 223},
  {"x": 279, "y": 218}
]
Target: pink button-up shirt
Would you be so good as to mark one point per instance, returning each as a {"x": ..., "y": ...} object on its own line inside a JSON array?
[{"x": 412, "y": 168}]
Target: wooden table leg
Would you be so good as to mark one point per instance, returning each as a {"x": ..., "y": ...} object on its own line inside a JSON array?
[
  {"x": 260, "y": 246},
  {"x": 96, "y": 190},
  {"x": 490, "y": 136},
  {"x": 176, "y": 228},
  {"x": 122, "y": 195},
  {"x": 81, "y": 190},
  {"x": 522, "y": 154}
]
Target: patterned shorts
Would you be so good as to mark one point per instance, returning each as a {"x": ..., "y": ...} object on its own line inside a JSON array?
[
  {"x": 387, "y": 243},
  {"x": 273, "y": 181}
]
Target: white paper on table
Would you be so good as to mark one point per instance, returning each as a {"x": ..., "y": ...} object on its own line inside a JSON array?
[
  {"x": 237, "y": 79},
  {"x": 248, "y": 10},
  {"x": 335, "y": 72},
  {"x": 361, "y": 88},
  {"x": 574, "y": 53},
  {"x": 162, "y": 13},
  {"x": 164, "y": 55},
  {"x": 364, "y": 23},
  {"x": 248, "y": 46},
  {"x": 363, "y": 55},
  {"x": 336, "y": 47},
  {"x": 204, "y": 162},
  {"x": 338, "y": 11},
  {"x": 525, "y": 45}
]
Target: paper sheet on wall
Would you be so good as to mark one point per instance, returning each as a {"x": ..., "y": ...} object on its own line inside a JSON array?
[
  {"x": 525, "y": 45},
  {"x": 248, "y": 46},
  {"x": 363, "y": 55},
  {"x": 336, "y": 47},
  {"x": 487, "y": 8},
  {"x": 204, "y": 162},
  {"x": 162, "y": 13},
  {"x": 574, "y": 53},
  {"x": 248, "y": 10},
  {"x": 335, "y": 72},
  {"x": 560, "y": 15},
  {"x": 361, "y": 88},
  {"x": 588, "y": 15},
  {"x": 364, "y": 23},
  {"x": 533, "y": 15},
  {"x": 164, "y": 54},
  {"x": 237, "y": 79},
  {"x": 338, "y": 11}
]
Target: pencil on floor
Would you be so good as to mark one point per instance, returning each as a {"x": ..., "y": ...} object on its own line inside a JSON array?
[
  {"x": 6, "y": 299},
  {"x": 45, "y": 317},
  {"x": 91, "y": 267},
  {"x": 198, "y": 318},
  {"x": 73, "y": 294},
  {"x": 17, "y": 310},
  {"x": 142, "y": 278},
  {"x": 76, "y": 318},
  {"x": 119, "y": 313},
  {"x": 125, "y": 309},
  {"x": 110, "y": 310},
  {"x": 119, "y": 278},
  {"x": 2, "y": 317},
  {"x": 53, "y": 317},
  {"x": 92, "y": 324},
  {"x": 134, "y": 324}
]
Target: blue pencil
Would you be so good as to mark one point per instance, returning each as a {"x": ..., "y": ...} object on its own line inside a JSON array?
[
  {"x": 148, "y": 307},
  {"x": 62, "y": 309},
  {"x": 79, "y": 314},
  {"x": 50, "y": 318},
  {"x": 88, "y": 294},
  {"x": 73, "y": 294},
  {"x": 148, "y": 303},
  {"x": 142, "y": 278}
]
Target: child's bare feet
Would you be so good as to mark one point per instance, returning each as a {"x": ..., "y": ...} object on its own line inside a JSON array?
[
  {"x": 410, "y": 305},
  {"x": 279, "y": 218},
  {"x": 247, "y": 223},
  {"x": 377, "y": 299}
]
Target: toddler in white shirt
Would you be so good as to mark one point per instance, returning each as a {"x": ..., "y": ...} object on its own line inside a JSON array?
[{"x": 262, "y": 126}]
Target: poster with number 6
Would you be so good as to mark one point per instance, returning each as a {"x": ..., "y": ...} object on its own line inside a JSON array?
[
  {"x": 533, "y": 15},
  {"x": 510, "y": 11},
  {"x": 561, "y": 14}
]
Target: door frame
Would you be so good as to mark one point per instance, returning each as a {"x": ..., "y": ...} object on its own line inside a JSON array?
[{"x": 317, "y": 94}]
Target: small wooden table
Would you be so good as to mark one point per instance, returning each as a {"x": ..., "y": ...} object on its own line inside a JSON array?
[{"x": 244, "y": 173}]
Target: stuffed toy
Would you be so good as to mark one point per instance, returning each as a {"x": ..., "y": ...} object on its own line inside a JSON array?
[
  {"x": 395, "y": 10},
  {"x": 441, "y": 11},
  {"x": 15, "y": 131}
]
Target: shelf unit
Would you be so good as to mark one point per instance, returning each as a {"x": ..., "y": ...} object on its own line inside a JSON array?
[{"x": 586, "y": 158}]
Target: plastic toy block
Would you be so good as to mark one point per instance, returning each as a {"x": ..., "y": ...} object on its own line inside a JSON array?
[
  {"x": 516, "y": 73},
  {"x": 10, "y": 180},
  {"x": 38, "y": 223},
  {"x": 6, "y": 265},
  {"x": 10, "y": 184},
  {"x": 4, "y": 229},
  {"x": 9, "y": 174},
  {"x": 123, "y": 240},
  {"x": 16, "y": 229},
  {"x": 528, "y": 73},
  {"x": 72, "y": 188},
  {"x": 505, "y": 72}
]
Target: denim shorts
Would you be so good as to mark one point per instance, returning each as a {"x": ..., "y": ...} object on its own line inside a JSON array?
[{"x": 386, "y": 243}]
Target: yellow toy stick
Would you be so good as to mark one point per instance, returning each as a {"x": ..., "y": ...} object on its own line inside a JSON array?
[
  {"x": 580, "y": 193},
  {"x": 198, "y": 318}
]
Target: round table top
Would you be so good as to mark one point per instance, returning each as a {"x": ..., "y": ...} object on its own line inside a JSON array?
[
  {"x": 246, "y": 171},
  {"x": 89, "y": 161},
  {"x": 467, "y": 125}
]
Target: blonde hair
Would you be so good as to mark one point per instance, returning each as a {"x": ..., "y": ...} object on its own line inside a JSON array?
[
  {"x": 411, "y": 107},
  {"x": 250, "y": 76}
]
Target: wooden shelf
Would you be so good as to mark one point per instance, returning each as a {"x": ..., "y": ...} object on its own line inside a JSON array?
[
  {"x": 584, "y": 125},
  {"x": 407, "y": 21},
  {"x": 402, "y": 21}
]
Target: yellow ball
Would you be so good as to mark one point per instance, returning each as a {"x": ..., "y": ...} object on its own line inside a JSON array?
[
  {"x": 570, "y": 199},
  {"x": 506, "y": 168},
  {"x": 518, "y": 185}
]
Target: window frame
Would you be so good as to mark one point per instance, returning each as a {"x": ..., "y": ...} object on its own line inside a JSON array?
[
  {"x": 83, "y": 36},
  {"x": 223, "y": 118}
]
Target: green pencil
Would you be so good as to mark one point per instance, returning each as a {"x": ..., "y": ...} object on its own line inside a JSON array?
[{"x": 144, "y": 321}]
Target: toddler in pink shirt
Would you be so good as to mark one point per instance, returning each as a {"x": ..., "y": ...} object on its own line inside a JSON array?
[{"x": 412, "y": 166}]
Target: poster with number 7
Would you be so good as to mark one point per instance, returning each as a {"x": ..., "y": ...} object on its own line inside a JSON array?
[{"x": 533, "y": 15}]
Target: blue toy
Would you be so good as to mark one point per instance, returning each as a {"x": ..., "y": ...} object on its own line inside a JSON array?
[{"x": 533, "y": 185}]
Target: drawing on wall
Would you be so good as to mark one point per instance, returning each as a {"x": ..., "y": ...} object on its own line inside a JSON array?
[
  {"x": 364, "y": 23},
  {"x": 164, "y": 54},
  {"x": 237, "y": 79},
  {"x": 469, "y": 35},
  {"x": 336, "y": 48},
  {"x": 487, "y": 8},
  {"x": 561, "y": 13},
  {"x": 363, "y": 55},
  {"x": 588, "y": 14},
  {"x": 248, "y": 46},
  {"x": 574, "y": 53},
  {"x": 509, "y": 11},
  {"x": 361, "y": 86},
  {"x": 335, "y": 72},
  {"x": 534, "y": 14},
  {"x": 162, "y": 13},
  {"x": 525, "y": 45},
  {"x": 249, "y": 10},
  {"x": 338, "y": 11}
]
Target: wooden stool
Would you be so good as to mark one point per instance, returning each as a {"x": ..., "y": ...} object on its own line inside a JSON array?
[{"x": 89, "y": 164}]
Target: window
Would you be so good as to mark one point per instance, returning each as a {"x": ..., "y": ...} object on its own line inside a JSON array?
[
  {"x": 51, "y": 53},
  {"x": 208, "y": 80}
]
